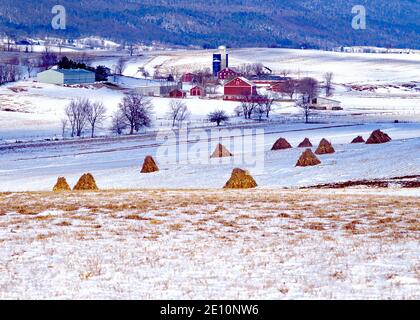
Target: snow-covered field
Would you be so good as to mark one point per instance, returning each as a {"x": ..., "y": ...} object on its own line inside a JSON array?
[
  {"x": 175, "y": 233},
  {"x": 116, "y": 163},
  {"x": 209, "y": 244}
]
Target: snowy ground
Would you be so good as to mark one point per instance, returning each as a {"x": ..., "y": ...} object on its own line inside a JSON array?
[
  {"x": 116, "y": 163},
  {"x": 209, "y": 244}
]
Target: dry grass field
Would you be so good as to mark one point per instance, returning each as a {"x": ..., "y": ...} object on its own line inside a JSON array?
[{"x": 269, "y": 244}]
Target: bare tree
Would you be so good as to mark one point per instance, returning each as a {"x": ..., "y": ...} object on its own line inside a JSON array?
[
  {"x": 259, "y": 111},
  {"x": 178, "y": 112},
  {"x": 238, "y": 112},
  {"x": 203, "y": 76},
  {"x": 284, "y": 73},
  {"x": 218, "y": 117},
  {"x": 131, "y": 49},
  {"x": 306, "y": 108},
  {"x": 248, "y": 105},
  {"x": 328, "y": 77},
  {"x": 309, "y": 89},
  {"x": 118, "y": 123},
  {"x": 96, "y": 114},
  {"x": 29, "y": 65},
  {"x": 174, "y": 72},
  {"x": 137, "y": 110},
  {"x": 76, "y": 113},
  {"x": 47, "y": 59},
  {"x": 266, "y": 104},
  {"x": 64, "y": 123},
  {"x": 9, "y": 73},
  {"x": 120, "y": 66},
  {"x": 289, "y": 87}
]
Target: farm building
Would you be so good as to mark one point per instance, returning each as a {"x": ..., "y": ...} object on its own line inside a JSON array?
[
  {"x": 188, "y": 78},
  {"x": 197, "y": 91},
  {"x": 268, "y": 79},
  {"x": 177, "y": 94},
  {"x": 322, "y": 103},
  {"x": 66, "y": 76},
  {"x": 227, "y": 74},
  {"x": 155, "y": 88},
  {"x": 239, "y": 88},
  {"x": 147, "y": 87}
]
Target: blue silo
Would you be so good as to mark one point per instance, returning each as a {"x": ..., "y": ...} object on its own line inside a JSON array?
[{"x": 217, "y": 63}]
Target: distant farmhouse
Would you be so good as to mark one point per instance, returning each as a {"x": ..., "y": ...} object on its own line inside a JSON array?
[{"x": 66, "y": 76}]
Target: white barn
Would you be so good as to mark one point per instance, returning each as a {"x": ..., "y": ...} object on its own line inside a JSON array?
[{"x": 66, "y": 76}]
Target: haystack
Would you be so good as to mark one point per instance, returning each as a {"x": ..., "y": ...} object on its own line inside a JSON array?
[
  {"x": 358, "y": 139},
  {"x": 240, "y": 179},
  {"x": 149, "y": 165},
  {"x": 86, "y": 182},
  {"x": 61, "y": 185},
  {"x": 306, "y": 143},
  {"x": 221, "y": 152},
  {"x": 308, "y": 159},
  {"x": 378, "y": 136},
  {"x": 324, "y": 147},
  {"x": 281, "y": 144}
]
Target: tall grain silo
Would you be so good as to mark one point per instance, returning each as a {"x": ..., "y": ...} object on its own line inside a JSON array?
[
  {"x": 225, "y": 57},
  {"x": 220, "y": 60}
]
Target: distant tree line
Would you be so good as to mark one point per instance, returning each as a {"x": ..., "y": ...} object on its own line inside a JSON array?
[{"x": 101, "y": 72}]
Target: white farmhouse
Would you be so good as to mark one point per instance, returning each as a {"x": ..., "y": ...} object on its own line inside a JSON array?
[{"x": 66, "y": 76}]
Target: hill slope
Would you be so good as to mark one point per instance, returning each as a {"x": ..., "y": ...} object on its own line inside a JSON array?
[{"x": 319, "y": 23}]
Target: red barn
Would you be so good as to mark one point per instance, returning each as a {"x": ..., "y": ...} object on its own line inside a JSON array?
[
  {"x": 177, "y": 94},
  {"x": 227, "y": 74},
  {"x": 197, "y": 91},
  {"x": 239, "y": 88},
  {"x": 188, "y": 77}
]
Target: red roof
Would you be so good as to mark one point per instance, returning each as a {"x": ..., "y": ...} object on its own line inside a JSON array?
[{"x": 239, "y": 82}]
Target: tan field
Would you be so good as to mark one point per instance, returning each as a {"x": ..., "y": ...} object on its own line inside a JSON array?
[{"x": 208, "y": 244}]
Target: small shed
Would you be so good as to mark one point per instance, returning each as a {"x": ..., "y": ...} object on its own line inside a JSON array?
[
  {"x": 197, "y": 91},
  {"x": 177, "y": 94}
]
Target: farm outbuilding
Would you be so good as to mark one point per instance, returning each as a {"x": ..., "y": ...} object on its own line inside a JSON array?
[
  {"x": 157, "y": 88},
  {"x": 239, "y": 88},
  {"x": 66, "y": 76},
  {"x": 197, "y": 91},
  {"x": 188, "y": 78},
  {"x": 177, "y": 94}
]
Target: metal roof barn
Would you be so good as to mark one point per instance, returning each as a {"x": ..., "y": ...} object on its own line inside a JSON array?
[{"x": 66, "y": 76}]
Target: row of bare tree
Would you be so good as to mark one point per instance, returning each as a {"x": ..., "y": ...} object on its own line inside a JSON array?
[
  {"x": 291, "y": 87},
  {"x": 83, "y": 112},
  {"x": 9, "y": 73},
  {"x": 259, "y": 106}
]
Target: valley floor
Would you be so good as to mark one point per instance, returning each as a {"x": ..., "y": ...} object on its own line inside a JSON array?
[
  {"x": 185, "y": 162},
  {"x": 210, "y": 244}
]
